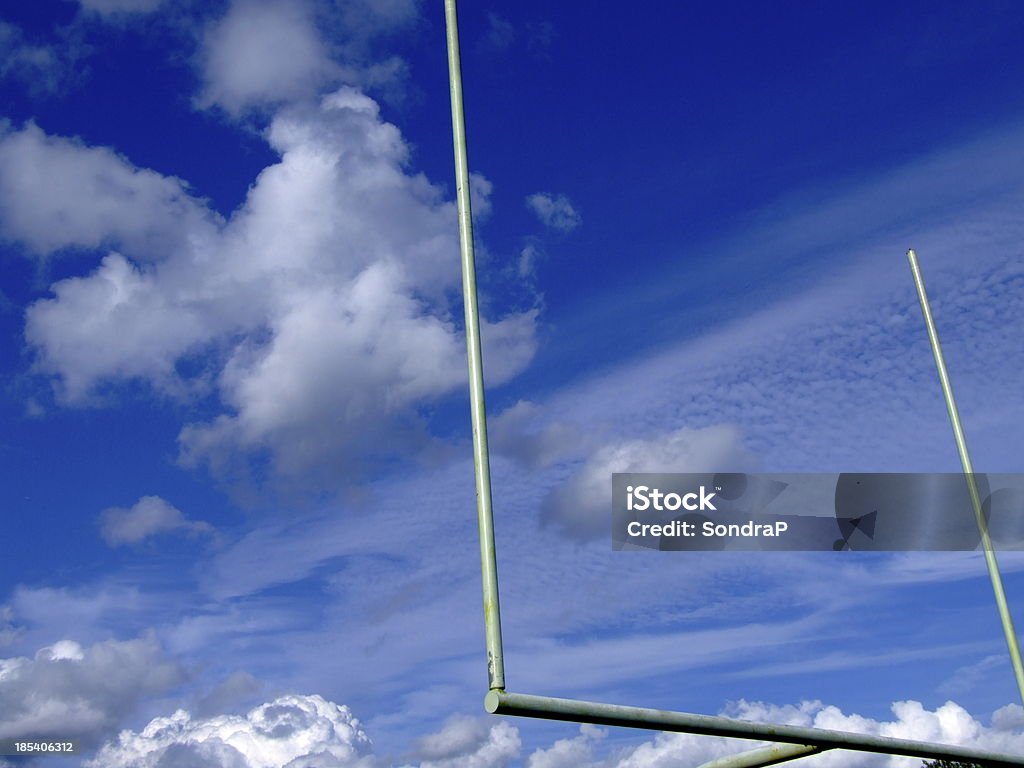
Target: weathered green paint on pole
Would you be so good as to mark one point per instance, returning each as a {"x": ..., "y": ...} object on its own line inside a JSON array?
[
  {"x": 547, "y": 708},
  {"x": 478, "y": 411},
  {"x": 972, "y": 487},
  {"x": 765, "y": 756}
]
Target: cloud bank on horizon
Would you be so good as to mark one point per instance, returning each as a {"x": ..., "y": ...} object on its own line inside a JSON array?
[{"x": 293, "y": 731}]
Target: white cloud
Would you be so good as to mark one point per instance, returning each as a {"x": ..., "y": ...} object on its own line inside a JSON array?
[
  {"x": 469, "y": 742},
  {"x": 569, "y": 753},
  {"x": 480, "y": 195},
  {"x": 264, "y": 52},
  {"x": 521, "y": 433},
  {"x": 117, "y": 323},
  {"x": 62, "y": 649},
  {"x": 36, "y": 615},
  {"x": 971, "y": 677},
  {"x": 317, "y": 363},
  {"x": 580, "y": 507},
  {"x": 781, "y": 375},
  {"x": 389, "y": 79},
  {"x": 147, "y": 517},
  {"x": 946, "y": 724},
  {"x": 67, "y": 690},
  {"x": 290, "y": 732},
  {"x": 459, "y": 735},
  {"x": 555, "y": 211},
  {"x": 57, "y": 193},
  {"x": 527, "y": 265},
  {"x": 322, "y": 311},
  {"x": 796, "y": 376}
]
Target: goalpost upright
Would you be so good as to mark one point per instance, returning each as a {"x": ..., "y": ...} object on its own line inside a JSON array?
[{"x": 791, "y": 741}]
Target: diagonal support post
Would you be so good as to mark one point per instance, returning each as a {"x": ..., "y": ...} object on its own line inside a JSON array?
[{"x": 764, "y": 756}]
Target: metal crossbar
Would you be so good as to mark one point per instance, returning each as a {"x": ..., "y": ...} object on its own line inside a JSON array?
[
  {"x": 792, "y": 741},
  {"x": 548, "y": 708}
]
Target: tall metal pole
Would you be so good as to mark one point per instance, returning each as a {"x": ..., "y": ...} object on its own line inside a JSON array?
[
  {"x": 972, "y": 487},
  {"x": 478, "y": 412}
]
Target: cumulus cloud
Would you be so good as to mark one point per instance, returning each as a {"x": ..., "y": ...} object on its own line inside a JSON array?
[
  {"x": 57, "y": 193},
  {"x": 290, "y": 732},
  {"x": 294, "y": 731},
  {"x": 569, "y": 753},
  {"x": 949, "y": 724},
  {"x": 555, "y": 211},
  {"x": 264, "y": 52},
  {"x": 117, "y": 323},
  {"x": 67, "y": 690},
  {"x": 469, "y": 742},
  {"x": 322, "y": 312},
  {"x": 580, "y": 507},
  {"x": 149, "y": 516}
]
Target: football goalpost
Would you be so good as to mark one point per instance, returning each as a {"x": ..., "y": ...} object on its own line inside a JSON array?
[{"x": 788, "y": 741}]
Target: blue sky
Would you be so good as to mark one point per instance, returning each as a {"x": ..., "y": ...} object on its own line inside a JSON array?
[{"x": 238, "y": 523}]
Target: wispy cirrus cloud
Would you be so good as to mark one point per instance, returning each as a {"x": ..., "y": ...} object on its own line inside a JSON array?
[{"x": 43, "y": 69}]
